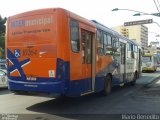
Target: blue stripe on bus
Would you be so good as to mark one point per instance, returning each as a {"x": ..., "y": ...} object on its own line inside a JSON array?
[
  {"x": 51, "y": 87},
  {"x": 74, "y": 88}
]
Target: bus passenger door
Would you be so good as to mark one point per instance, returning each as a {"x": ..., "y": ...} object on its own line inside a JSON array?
[
  {"x": 87, "y": 39},
  {"x": 123, "y": 61}
]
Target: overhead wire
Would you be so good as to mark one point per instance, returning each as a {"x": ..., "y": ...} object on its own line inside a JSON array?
[{"x": 156, "y": 5}]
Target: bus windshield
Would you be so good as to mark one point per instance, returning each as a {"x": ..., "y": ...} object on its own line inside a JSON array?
[{"x": 146, "y": 59}]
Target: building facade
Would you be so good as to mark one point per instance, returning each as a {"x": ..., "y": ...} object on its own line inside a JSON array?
[{"x": 139, "y": 33}]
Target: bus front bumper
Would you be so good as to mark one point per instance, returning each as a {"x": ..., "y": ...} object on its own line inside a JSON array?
[{"x": 147, "y": 69}]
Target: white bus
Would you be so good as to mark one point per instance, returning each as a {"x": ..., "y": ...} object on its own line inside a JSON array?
[{"x": 149, "y": 62}]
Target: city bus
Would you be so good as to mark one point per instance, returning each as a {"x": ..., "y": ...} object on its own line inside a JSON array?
[
  {"x": 55, "y": 51},
  {"x": 149, "y": 62}
]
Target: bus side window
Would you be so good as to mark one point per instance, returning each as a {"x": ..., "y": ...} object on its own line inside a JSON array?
[
  {"x": 83, "y": 36},
  {"x": 115, "y": 42},
  {"x": 132, "y": 51},
  {"x": 100, "y": 42},
  {"x": 135, "y": 51},
  {"x": 136, "y": 48},
  {"x": 75, "y": 41},
  {"x": 109, "y": 40},
  {"x": 107, "y": 44},
  {"x": 128, "y": 50},
  {"x": 89, "y": 48}
]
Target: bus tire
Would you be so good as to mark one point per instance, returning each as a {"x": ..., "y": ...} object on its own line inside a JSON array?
[
  {"x": 107, "y": 85},
  {"x": 134, "y": 79}
]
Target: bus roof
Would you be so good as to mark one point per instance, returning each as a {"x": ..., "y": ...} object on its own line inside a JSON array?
[
  {"x": 113, "y": 32},
  {"x": 103, "y": 27}
]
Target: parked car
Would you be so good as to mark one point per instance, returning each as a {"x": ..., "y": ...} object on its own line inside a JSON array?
[
  {"x": 3, "y": 67},
  {"x": 3, "y": 79}
]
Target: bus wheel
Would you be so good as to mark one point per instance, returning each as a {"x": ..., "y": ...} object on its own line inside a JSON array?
[
  {"x": 107, "y": 85},
  {"x": 134, "y": 79}
]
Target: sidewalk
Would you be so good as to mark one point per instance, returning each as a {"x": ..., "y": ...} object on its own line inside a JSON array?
[
  {"x": 149, "y": 79},
  {"x": 154, "y": 85},
  {"x": 153, "y": 88},
  {"x": 151, "y": 82}
]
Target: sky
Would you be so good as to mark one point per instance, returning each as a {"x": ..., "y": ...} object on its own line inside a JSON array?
[{"x": 99, "y": 10}]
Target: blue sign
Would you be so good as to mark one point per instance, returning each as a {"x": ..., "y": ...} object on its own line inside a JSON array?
[{"x": 17, "y": 53}]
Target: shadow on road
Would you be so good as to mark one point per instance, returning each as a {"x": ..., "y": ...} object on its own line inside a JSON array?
[
  {"x": 70, "y": 108},
  {"x": 79, "y": 107}
]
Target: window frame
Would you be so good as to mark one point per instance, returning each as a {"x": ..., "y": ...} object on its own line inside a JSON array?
[
  {"x": 115, "y": 42},
  {"x": 77, "y": 50},
  {"x": 100, "y": 42}
]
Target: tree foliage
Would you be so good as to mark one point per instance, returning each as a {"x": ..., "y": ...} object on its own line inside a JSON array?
[
  {"x": 2, "y": 24},
  {"x": 2, "y": 35}
]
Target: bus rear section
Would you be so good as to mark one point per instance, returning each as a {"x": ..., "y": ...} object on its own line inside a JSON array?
[
  {"x": 32, "y": 52},
  {"x": 149, "y": 62}
]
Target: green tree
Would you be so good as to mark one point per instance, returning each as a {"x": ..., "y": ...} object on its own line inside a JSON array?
[{"x": 2, "y": 36}]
